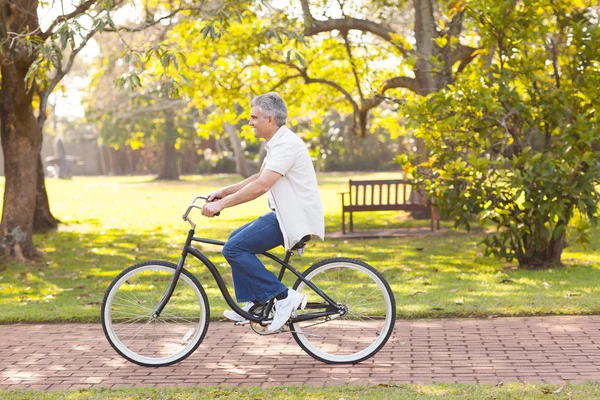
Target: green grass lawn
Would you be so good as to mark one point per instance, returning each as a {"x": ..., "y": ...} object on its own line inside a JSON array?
[
  {"x": 111, "y": 223},
  {"x": 518, "y": 391}
]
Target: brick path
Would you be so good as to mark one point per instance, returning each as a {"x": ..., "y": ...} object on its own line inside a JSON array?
[{"x": 544, "y": 349}]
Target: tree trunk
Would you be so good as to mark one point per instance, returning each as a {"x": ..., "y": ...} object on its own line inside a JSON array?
[
  {"x": 243, "y": 166},
  {"x": 113, "y": 162},
  {"x": 21, "y": 143},
  {"x": 428, "y": 80},
  {"x": 262, "y": 153},
  {"x": 539, "y": 258},
  {"x": 169, "y": 168},
  {"x": 104, "y": 162},
  {"x": 425, "y": 32},
  {"x": 43, "y": 220}
]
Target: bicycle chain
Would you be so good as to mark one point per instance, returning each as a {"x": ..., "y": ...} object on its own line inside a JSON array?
[
  {"x": 257, "y": 309},
  {"x": 318, "y": 323}
]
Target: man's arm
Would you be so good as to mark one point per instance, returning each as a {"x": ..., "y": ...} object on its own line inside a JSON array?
[
  {"x": 249, "y": 192},
  {"x": 229, "y": 190}
]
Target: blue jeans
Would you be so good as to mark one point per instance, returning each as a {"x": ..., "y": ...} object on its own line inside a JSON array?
[{"x": 251, "y": 280}]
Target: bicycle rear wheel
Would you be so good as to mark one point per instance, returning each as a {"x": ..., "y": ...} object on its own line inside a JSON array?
[
  {"x": 366, "y": 326},
  {"x": 127, "y": 311}
]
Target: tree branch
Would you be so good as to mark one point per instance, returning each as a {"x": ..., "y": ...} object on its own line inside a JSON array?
[
  {"x": 60, "y": 73},
  {"x": 308, "y": 17},
  {"x": 292, "y": 65},
  {"x": 455, "y": 26},
  {"x": 553, "y": 50},
  {"x": 464, "y": 54},
  {"x": 401, "y": 82},
  {"x": 353, "y": 64},
  {"x": 146, "y": 25},
  {"x": 314, "y": 26},
  {"x": 283, "y": 81},
  {"x": 82, "y": 8},
  {"x": 334, "y": 85},
  {"x": 303, "y": 73}
]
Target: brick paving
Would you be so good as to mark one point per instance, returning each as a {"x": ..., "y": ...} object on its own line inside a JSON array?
[{"x": 535, "y": 349}]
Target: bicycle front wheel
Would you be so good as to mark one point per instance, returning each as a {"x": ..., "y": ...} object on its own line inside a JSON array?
[
  {"x": 367, "y": 323},
  {"x": 127, "y": 311}
]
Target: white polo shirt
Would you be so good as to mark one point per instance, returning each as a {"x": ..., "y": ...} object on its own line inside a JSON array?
[{"x": 295, "y": 196}]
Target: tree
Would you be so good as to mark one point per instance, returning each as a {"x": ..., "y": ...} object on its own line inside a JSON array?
[
  {"x": 142, "y": 117},
  {"x": 32, "y": 62},
  {"x": 373, "y": 34},
  {"x": 227, "y": 71},
  {"x": 516, "y": 139},
  {"x": 366, "y": 54}
]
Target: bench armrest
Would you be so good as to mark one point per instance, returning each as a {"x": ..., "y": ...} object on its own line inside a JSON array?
[{"x": 343, "y": 194}]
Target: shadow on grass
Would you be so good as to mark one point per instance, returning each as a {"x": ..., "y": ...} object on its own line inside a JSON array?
[
  {"x": 437, "y": 276},
  {"x": 69, "y": 282}
]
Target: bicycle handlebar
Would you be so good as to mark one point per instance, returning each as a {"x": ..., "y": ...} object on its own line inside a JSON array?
[{"x": 192, "y": 205}]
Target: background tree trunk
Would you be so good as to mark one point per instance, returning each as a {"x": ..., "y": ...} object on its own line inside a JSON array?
[
  {"x": 428, "y": 80},
  {"x": 243, "y": 166},
  {"x": 43, "y": 220},
  {"x": 169, "y": 168},
  {"x": 425, "y": 32}
]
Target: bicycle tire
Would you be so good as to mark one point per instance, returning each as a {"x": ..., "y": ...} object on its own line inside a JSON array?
[
  {"x": 186, "y": 315},
  {"x": 323, "y": 339}
]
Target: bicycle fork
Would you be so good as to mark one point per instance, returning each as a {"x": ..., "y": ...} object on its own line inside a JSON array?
[{"x": 175, "y": 279}]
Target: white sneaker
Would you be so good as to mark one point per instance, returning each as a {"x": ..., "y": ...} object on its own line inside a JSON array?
[
  {"x": 233, "y": 316},
  {"x": 285, "y": 308}
]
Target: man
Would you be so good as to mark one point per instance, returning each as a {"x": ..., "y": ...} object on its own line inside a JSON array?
[{"x": 288, "y": 175}]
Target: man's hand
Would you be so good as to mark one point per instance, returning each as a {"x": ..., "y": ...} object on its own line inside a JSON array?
[
  {"x": 219, "y": 194},
  {"x": 210, "y": 209}
]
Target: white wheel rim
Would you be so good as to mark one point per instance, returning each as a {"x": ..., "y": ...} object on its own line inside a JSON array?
[
  {"x": 368, "y": 350},
  {"x": 141, "y": 358}
]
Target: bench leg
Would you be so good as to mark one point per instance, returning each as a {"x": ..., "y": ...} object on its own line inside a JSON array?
[
  {"x": 343, "y": 223},
  {"x": 351, "y": 223}
]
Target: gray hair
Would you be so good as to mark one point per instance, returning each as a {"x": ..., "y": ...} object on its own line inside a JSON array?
[{"x": 271, "y": 105}]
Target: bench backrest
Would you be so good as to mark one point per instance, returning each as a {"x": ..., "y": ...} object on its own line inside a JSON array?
[{"x": 382, "y": 192}]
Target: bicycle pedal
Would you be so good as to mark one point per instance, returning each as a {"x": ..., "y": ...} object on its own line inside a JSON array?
[{"x": 241, "y": 323}]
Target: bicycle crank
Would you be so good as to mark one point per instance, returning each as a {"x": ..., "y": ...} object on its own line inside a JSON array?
[{"x": 257, "y": 327}]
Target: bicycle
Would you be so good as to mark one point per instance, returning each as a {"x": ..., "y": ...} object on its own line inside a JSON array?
[{"x": 156, "y": 313}]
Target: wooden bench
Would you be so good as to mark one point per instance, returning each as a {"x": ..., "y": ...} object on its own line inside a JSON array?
[{"x": 383, "y": 195}]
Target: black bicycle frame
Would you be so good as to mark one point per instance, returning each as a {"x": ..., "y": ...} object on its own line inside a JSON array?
[{"x": 331, "y": 307}]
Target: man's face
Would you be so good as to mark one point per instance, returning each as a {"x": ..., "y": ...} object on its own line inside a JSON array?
[{"x": 262, "y": 126}]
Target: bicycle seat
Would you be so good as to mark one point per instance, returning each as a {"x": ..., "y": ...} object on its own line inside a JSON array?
[{"x": 301, "y": 243}]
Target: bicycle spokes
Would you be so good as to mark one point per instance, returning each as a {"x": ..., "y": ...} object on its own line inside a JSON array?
[{"x": 364, "y": 317}]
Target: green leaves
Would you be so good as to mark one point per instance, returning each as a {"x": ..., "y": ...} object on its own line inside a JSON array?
[
  {"x": 294, "y": 55},
  {"x": 514, "y": 145},
  {"x": 209, "y": 29}
]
